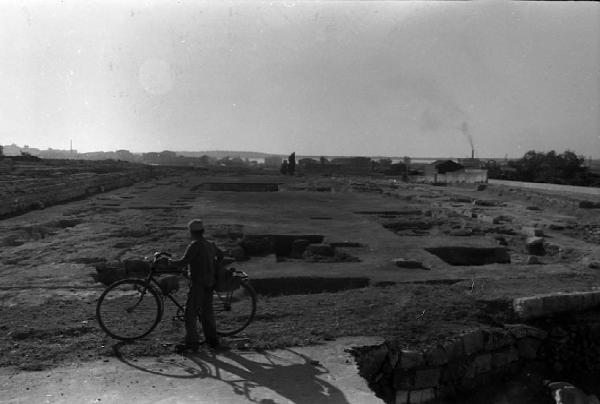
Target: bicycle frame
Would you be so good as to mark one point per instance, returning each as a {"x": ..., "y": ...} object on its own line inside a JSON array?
[{"x": 151, "y": 282}]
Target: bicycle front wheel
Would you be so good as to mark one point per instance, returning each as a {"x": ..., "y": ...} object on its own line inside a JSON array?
[
  {"x": 129, "y": 309},
  {"x": 234, "y": 310}
]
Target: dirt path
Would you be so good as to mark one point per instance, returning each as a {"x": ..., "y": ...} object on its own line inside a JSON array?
[{"x": 310, "y": 375}]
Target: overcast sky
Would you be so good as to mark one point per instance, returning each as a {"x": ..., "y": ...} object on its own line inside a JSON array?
[{"x": 319, "y": 78}]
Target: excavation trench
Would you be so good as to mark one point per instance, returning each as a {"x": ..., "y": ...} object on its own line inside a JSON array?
[
  {"x": 306, "y": 285},
  {"x": 509, "y": 363},
  {"x": 238, "y": 187},
  {"x": 467, "y": 256},
  {"x": 278, "y": 244}
]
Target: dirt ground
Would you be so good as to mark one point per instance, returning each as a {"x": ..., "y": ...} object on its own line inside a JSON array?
[{"x": 48, "y": 258}]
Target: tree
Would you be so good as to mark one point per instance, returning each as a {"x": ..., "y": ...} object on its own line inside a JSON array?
[{"x": 550, "y": 167}]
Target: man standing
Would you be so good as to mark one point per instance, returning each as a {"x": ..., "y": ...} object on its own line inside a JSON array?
[
  {"x": 200, "y": 257},
  {"x": 292, "y": 163}
]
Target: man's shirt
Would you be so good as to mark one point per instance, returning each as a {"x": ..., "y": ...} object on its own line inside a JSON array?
[{"x": 200, "y": 257}]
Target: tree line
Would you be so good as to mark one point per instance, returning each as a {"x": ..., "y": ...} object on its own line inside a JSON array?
[{"x": 565, "y": 168}]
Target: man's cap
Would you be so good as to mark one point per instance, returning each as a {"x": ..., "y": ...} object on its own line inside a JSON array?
[{"x": 196, "y": 225}]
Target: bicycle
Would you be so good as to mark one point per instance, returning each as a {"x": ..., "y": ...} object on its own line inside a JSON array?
[{"x": 131, "y": 308}]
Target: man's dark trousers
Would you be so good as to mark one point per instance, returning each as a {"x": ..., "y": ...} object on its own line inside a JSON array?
[{"x": 199, "y": 301}]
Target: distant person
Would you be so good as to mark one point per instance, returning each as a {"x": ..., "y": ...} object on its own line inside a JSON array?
[
  {"x": 201, "y": 257},
  {"x": 284, "y": 167},
  {"x": 292, "y": 163}
]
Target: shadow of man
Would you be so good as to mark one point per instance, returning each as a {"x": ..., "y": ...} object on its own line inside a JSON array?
[
  {"x": 288, "y": 373},
  {"x": 293, "y": 376}
]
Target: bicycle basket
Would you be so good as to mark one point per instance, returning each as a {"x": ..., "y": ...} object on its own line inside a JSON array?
[
  {"x": 227, "y": 280},
  {"x": 169, "y": 284}
]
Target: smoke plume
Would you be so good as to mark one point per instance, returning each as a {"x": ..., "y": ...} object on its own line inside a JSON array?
[{"x": 464, "y": 127}]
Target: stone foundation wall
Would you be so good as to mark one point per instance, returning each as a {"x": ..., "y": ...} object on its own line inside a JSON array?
[
  {"x": 562, "y": 337},
  {"x": 528, "y": 308},
  {"x": 469, "y": 361},
  {"x": 29, "y": 190}
]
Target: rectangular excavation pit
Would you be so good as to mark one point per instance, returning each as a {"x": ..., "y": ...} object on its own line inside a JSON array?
[
  {"x": 238, "y": 187},
  {"x": 279, "y": 244},
  {"x": 306, "y": 285},
  {"x": 389, "y": 213},
  {"x": 468, "y": 256},
  {"x": 409, "y": 225}
]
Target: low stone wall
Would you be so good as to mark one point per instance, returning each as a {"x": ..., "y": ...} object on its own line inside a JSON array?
[
  {"x": 19, "y": 195},
  {"x": 240, "y": 186},
  {"x": 469, "y": 361},
  {"x": 528, "y": 308},
  {"x": 562, "y": 337}
]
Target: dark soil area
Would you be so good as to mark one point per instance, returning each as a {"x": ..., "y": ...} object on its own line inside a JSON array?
[{"x": 65, "y": 331}]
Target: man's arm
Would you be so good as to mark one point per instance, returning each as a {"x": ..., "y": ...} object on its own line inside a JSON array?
[{"x": 190, "y": 252}]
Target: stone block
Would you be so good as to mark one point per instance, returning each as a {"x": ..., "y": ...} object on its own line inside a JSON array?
[
  {"x": 503, "y": 357},
  {"x": 446, "y": 391},
  {"x": 523, "y": 330},
  {"x": 528, "y": 307},
  {"x": 467, "y": 384},
  {"x": 528, "y": 348},
  {"x": 556, "y": 303},
  {"x": 533, "y": 260},
  {"x": 472, "y": 342},
  {"x": 462, "y": 232},
  {"x": 436, "y": 356},
  {"x": 422, "y": 396},
  {"x": 403, "y": 380},
  {"x": 411, "y": 359},
  {"x": 532, "y": 231},
  {"x": 324, "y": 250},
  {"x": 393, "y": 357},
  {"x": 409, "y": 263},
  {"x": 452, "y": 372},
  {"x": 402, "y": 396},
  {"x": 535, "y": 246},
  {"x": 558, "y": 333},
  {"x": 513, "y": 354},
  {"x": 425, "y": 378},
  {"x": 552, "y": 249},
  {"x": 480, "y": 364},
  {"x": 372, "y": 361},
  {"x": 494, "y": 339},
  {"x": 454, "y": 349},
  {"x": 298, "y": 247}
]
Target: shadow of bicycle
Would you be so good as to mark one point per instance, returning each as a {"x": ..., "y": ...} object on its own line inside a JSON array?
[{"x": 255, "y": 376}]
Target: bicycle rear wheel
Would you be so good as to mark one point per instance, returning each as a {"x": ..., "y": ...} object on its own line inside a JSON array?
[
  {"x": 235, "y": 309},
  {"x": 129, "y": 309}
]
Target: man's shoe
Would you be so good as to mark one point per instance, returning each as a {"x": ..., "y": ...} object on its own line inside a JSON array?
[{"x": 187, "y": 346}]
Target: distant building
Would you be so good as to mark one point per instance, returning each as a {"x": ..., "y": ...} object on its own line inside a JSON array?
[
  {"x": 442, "y": 167},
  {"x": 124, "y": 155},
  {"x": 354, "y": 162},
  {"x": 273, "y": 161},
  {"x": 449, "y": 171},
  {"x": 471, "y": 163},
  {"x": 308, "y": 162}
]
